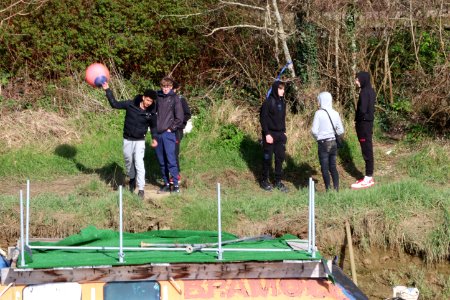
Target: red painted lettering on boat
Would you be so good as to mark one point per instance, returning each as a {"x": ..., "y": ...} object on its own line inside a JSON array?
[
  {"x": 236, "y": 287},
  {"x": 291, "y": 287},
  {"x": 195, "y": 289},
  {"x": 261, "y": 287}
]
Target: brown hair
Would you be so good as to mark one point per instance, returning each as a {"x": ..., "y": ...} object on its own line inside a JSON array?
[{"x": 166, "y": 81}]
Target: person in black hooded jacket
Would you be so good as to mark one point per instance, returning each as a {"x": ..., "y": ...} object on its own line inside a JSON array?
[
  {"x": 273, "y": 125},
  {"x": 140, "y": 115},
  {"x": 187, "y": 116},
  {"x": 364, "y": 116},
  {"x": 169, "y": 120}
]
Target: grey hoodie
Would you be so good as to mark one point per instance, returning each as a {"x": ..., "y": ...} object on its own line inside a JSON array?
[{"x": 321, "y": 127}]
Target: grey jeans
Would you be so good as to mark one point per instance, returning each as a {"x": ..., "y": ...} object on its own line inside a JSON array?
[{"x": 133, "y": 153}]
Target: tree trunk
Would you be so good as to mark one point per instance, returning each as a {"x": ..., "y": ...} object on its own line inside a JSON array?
[
  {"x": 413, "y": 36},
  {"x": 387, "y": 71},
  {"x": 353, "y": 56},
  {"x": 440, "y": 30},
  {"x": 283, "y": 38},
  {"x": 336, "y": 59}
]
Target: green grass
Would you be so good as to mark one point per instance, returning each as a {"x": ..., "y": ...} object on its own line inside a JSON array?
[
  {"x": 237, "y": 204},
  {"x": 387, "y": 215},
  {"x": 407, "y": 210},
  {"x": 405, "y": 214},
  {"x": 31, "y": 163},
  {"x": 91, "y": 204},
  {"x": 431, "y": 164}
]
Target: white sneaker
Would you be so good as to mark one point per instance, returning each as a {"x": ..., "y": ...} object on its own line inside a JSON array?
[{"x": 363, "y": 183}]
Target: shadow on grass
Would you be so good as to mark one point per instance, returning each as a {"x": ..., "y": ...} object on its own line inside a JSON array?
[
  {"x": 346, "y": 156},
  {"x": 252, "y": 153},
  {"x": 112, "y": 174},
  {"x": 152, "y": 170}
]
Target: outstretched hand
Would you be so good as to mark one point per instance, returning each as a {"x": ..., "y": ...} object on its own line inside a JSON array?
[{"x": 105, "y": 85}]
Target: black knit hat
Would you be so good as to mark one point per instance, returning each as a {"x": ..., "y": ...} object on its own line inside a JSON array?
[
  {"x": 176, "y": 85},
  {"x": 151, "y": 93}
]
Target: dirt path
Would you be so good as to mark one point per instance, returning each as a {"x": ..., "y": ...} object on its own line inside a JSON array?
[
  {"x": 66, "y": 185},
  {"x": 60, "y": 186}
]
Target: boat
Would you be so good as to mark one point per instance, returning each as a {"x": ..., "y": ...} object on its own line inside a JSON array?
[{"x": 103, "y": 264}]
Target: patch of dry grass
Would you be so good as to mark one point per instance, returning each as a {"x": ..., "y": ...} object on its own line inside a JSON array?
[
  {"x": 40, "y": 128},
  {"x": 246, "y": 118}
]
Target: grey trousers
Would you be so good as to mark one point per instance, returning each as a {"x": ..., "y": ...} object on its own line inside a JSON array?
[{"x": 133, "y": 153}]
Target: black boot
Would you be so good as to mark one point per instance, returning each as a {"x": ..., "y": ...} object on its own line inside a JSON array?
[
  {"x": 265, "y": 185},
  {"x": 132, "y": 184},
  {"x": 164, "y": 189},
  {"x": 280, "y": 186}
]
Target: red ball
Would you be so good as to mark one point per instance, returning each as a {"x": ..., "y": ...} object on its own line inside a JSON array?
[{"x": 97, "y": 74}]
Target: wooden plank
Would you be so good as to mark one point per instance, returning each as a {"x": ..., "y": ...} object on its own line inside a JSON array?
[{"x": 291, "y": 269}]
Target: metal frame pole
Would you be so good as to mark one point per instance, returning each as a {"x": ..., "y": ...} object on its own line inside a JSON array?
[
  {"x": 121, "y": 254},
  {"x": 309, "y": 217},
  {"x": 27, "y": 231},
  {"x": 219, "y": 221},
  {"x": 313, "y": 219},
  {"x": 22, "y": 242},
  {"x": 212, "y": 249}
]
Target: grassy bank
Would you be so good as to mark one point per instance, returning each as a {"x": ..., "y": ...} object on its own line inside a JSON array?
[{"x": 408, "y": 210}]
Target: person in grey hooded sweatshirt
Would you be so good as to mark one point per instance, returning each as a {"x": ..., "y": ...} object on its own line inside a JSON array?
[{"x": 323, "y": 132}]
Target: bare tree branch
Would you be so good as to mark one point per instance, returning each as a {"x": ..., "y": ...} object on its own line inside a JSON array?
[
  {"x": 19, "y": 8},
  {"x": 238, "y": 26},
  {"x": 193, "y": 14},
  {"x": 243, "y": 5}
]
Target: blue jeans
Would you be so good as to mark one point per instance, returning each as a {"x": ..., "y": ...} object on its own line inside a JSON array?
[
  {"x": 165, "y": 152},
  {"x": 327, "y": 157}
]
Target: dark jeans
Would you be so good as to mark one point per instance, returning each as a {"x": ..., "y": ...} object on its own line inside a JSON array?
[
  {"x": 165, "y": 152},
  {"x": 278, "y": 147},
  {"x": 364, "y": 131},
  {"x": 327, "y": 157}
]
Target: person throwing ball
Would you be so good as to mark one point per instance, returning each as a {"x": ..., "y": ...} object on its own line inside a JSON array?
[{"x": 140, "y": 115}]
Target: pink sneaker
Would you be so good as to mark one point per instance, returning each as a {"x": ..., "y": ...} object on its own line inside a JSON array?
[{"x": 362, "y": 184}]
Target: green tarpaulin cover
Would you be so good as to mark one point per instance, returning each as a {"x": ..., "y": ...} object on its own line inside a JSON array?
[{"x": 92, "y": 236}]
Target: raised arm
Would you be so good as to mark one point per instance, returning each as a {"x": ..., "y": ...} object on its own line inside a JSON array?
[{"x": 112, "y": 101}]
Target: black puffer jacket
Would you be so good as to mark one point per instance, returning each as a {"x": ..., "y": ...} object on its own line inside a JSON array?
[
  {"x": 365, "y": 108},
  {"x": 273, "y": 112},
  {"x": 137, "y": 121}
]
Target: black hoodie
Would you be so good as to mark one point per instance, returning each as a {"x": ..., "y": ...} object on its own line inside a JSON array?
[
  {"x": 137, "y": 120},
  {"x": 273, "y": 112},
  {"x": 365, "y": 109}
]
